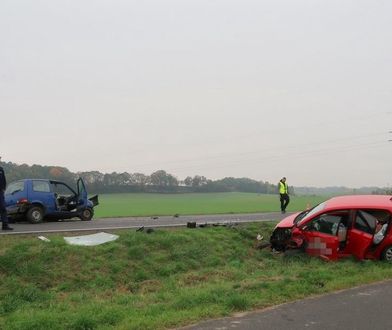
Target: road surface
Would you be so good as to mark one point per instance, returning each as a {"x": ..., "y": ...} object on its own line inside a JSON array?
[
  {"x": 137, "y": 222},
  {"x": 361, "y": 308}
]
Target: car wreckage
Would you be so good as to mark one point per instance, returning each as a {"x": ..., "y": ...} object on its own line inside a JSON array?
[
  {"x": 36, "y": 199},
  {"x": 343, "y": 226}
]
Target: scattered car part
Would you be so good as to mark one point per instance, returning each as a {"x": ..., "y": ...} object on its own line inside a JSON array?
[{"x": 43, "y": 238}]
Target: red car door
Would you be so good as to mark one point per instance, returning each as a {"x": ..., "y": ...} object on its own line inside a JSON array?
[
  {"x": 358, "y": 243},
  {"x": 360, "y": 236},
  {"x": 321, "y": 234},
  {"x": 322, "y": 245}
]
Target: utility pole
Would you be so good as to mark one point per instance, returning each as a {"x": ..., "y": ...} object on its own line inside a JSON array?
[{"x": 389, "y": 191}]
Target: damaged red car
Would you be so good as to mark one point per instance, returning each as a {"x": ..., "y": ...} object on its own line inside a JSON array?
[{"x": 344, "y": 226}]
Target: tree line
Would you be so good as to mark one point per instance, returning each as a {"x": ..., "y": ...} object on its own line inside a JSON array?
[{"x": 157, "y": 182}]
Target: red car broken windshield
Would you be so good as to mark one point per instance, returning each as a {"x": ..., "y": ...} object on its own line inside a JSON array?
[{"x": 313, "y": 211}]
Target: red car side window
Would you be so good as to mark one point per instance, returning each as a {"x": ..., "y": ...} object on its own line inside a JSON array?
[
  {"x": 366, "y": 221},
  {"x": 328, "y": 223}
]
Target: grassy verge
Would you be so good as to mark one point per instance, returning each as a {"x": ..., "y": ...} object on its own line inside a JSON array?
[
  {"x": 165, "y": 279},
  {"x": 119, "y": 205}
]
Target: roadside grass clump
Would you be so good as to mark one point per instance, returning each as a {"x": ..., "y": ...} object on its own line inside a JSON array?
[
  {"x": 19, "y": 295},
  {"x": 161, "y": 280}
]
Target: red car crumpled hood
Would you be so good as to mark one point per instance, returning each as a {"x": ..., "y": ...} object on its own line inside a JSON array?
[{"x": 287, "y": 222}]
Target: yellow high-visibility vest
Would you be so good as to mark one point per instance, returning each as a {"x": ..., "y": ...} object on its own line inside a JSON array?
[{"x": 283, "y": 188}]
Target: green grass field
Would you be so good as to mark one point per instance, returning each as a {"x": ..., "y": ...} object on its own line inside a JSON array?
[
  {"x": 121, "y": 205},
  {"x": 162, "y": 280}
]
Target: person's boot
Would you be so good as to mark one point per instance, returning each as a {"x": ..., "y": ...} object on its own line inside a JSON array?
[{"x": 6, "y": 227}]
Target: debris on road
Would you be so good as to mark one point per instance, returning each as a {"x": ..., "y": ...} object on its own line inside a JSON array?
[
  {"x": 259, "y": 242},
  {"x": 205, "y": 224},
  {"x": 148, "y": 230}
]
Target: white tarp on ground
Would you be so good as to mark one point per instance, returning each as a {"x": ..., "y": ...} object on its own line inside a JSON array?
[{"x": 91, "y": 240}]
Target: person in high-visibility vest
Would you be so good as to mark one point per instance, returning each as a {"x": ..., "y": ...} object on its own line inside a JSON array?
[{"x": 284, "y": 194}]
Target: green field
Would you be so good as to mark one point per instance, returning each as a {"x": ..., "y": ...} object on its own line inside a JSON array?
[
  {"x": 161, "y": 280},
  {"x": 121, "y": 205}
]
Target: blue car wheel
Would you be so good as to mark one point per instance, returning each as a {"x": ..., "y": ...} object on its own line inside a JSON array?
[
  {"x": 35, "y": 214},
  {"x": 87, "y": 214}
]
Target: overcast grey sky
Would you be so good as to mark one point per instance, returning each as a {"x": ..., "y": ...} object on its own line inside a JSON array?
[{"x": 259, "y": 89}]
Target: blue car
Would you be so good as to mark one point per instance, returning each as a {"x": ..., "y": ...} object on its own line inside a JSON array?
[{"x": 38, "y": 199}]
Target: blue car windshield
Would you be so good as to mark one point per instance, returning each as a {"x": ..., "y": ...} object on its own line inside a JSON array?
[{"x": 313, "y": 211}]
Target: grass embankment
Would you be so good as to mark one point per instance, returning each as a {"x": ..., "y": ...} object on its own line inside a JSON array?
[
  {"x": 120, "y": 205},
  {"x": 160, "y": 280}
]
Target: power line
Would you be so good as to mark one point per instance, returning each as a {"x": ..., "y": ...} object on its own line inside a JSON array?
[
  {"x": 281, "y": 150},
  {"x": 217, "y": 140},
  {"x": 293, "y": 156}
]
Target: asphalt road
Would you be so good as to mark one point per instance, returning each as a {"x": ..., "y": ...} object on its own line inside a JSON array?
[
  {"x": 136, "y": 222},
  {"x": 361, "y": 308}
]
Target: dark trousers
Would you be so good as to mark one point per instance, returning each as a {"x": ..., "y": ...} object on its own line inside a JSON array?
[
  {"x": 3, "y": 210},
  {"x": 284, "y": 201}
]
